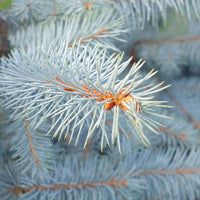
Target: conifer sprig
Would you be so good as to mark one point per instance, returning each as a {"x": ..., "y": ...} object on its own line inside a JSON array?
[
  {"x": 111, "y": 177},
  {"x": 144, "y": 11},
  {"x": 80, "y": 87},
  {"x": 33, "y": 150},
  {"x": 101, "y": 27},
  {"x": 71, "y": 179}
]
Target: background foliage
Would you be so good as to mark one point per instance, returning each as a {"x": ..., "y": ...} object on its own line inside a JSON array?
[{"x": 63, "y": 133}]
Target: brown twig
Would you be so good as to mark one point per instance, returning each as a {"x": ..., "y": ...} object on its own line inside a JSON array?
[
  {"x": 30, "y": 142},
  {"x": 177, "y": 171},
  {"x": 182, "y": 136},
  {"x": 112, "y": 183},
  {"x": 195, "y": 123},
  {"x": 161, "y": 41}
]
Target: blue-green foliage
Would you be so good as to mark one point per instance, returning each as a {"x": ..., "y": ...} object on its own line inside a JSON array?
[
  {"x": 111, "y": 176},
  {"x": 173, "y": 50},
  {"x": 56, "y": 144}
]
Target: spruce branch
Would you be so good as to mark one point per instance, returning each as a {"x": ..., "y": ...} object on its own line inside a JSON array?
[
  {"x": 183, "y": 130},
  {"x": 195, "y": 123},
  {"x": 100, "y": 27},
  {"x": 72, "y": 180},
  {"x": 78, "y": 87},
  {"x": 34, "y": 150},
  {"x": 138, "y": 175},
  {"x": 29, "y": 148},
  {"x": 178, "y": 167},
  {"x": 144, "y": 11},
  {"x": 137, "y": 13},
  {"x": 25, "y": 10},
  {"x": 166, "y": 48},
  {"x": 63, "y": 89},
  {"x": 185, "y": 126},
  {"x": 29, "y": 11},
  {"x": 188, "y": 107}
]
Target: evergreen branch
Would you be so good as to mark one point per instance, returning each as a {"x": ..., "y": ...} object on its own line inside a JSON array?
[
  {"x": 58, "y": 10},
  {"x": 181, "y": 136},
  {"x": 26, "y": 10},
  {"x": 88, "y": 148},
  {"x": 134, "y": 176},
  {"x": 95, "y": 27},
  {"x": 74, "y": 181},
  {"x": 178, "y": 168},
  {"x": 195, "y": 123},
  {"x": 162, "y": 41},
  {"x": 167, "y": 51},
  {"x": 184, "y": 127},
  {"x": 176, "y": 132},
  {"x": 178, "y": 171},
  {"x": 61, "y": 83},
  {"x": 33, "y": 150},
  {"x": 111, "y": 183},
  {"x": 71, "y": 94},
  {"x": 95, "y": 37},
  {"x": 142, "y": 12},
  {"x": 23, "y": 12},
  {"x": 167, "y": 40},
  {"x": 187, "y": 106}
]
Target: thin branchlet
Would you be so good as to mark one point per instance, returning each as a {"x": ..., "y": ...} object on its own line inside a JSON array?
[{"x": 109, "y": 98}]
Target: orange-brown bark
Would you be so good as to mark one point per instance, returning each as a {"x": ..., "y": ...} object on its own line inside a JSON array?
[
  {"x": 32, "y": 148},
  {"x": 113, "y": 183},
  {"x": 177, "y": 171}
]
